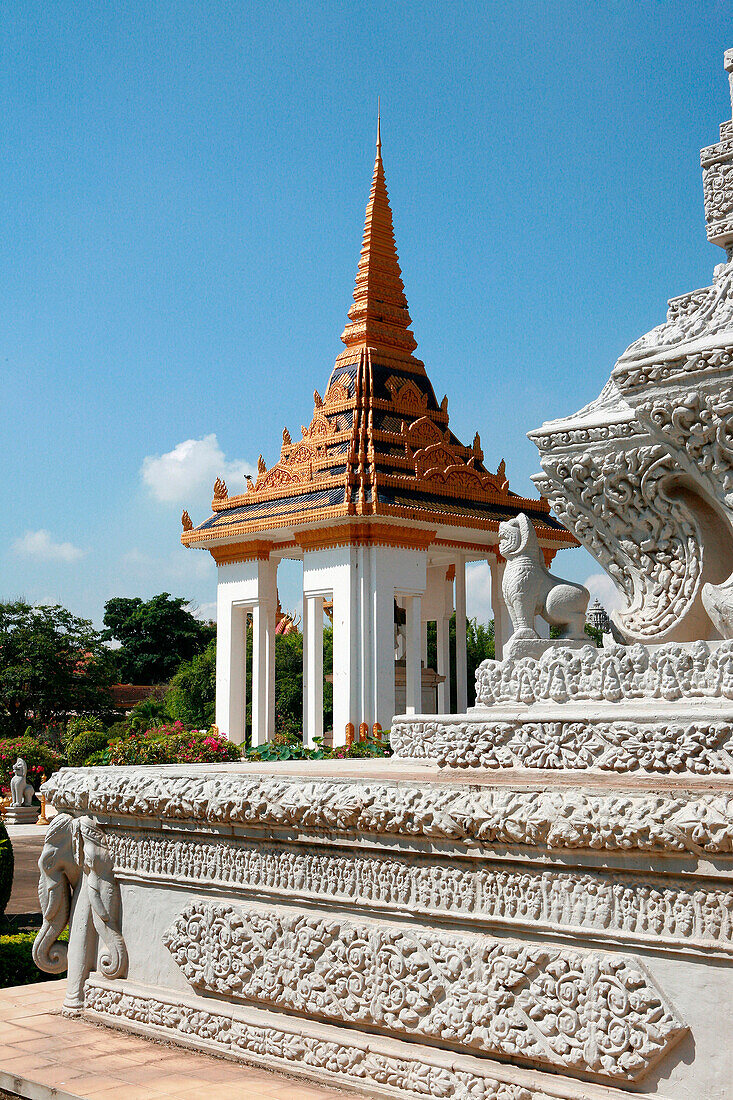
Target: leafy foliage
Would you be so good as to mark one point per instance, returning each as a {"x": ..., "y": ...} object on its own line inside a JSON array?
[
  {"x": 80, "y": 724},
  {"x": 7, "y": 863},
  {"x": 172, "y": 745},
  {"x": 51, "y": 665},
  {"x": 192, "y": 694},
  {"x": 42, "y": 760},
  {"x": 155, "y": 636},
  {"x": 16, "y": 960},
  {"x": 290, "y": 747},
  {"x": 84, "y": 745}
]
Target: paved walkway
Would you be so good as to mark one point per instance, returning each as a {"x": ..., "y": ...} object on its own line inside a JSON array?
[
  {"x": 44, "y": 1056},
  {"x": 26, "y": 850}
]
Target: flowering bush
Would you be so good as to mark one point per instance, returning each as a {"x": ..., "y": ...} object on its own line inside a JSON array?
[
  {"x": 42, "y": 760},
  {"x": 172, "y": 744}
]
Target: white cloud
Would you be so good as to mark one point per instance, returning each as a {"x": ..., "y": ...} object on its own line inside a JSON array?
[
  {"x": 182, "y": 475},
  {"x": 41, "y": 545},
  {"x": 204, "y": 611},
  {"x": 602, "y": 588}
]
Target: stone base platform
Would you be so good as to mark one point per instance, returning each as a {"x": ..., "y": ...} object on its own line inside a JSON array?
[
  {"x": 410, "y": 931},
  {"x": 21, "y": 815},
  {"x": 44, "y": 1056}
]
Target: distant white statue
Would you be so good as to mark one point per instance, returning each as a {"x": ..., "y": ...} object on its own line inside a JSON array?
[
  {"x": 529, "y": 590},
  {"x": 21, "y": 792}
]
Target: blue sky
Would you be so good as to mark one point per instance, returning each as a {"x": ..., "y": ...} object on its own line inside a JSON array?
[{"x": 182, "y": 194}]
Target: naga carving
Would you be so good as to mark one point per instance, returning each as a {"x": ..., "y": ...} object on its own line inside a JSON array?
[
  {"x": 77, "y": 888},
  {"x": 643, "y": 476}
]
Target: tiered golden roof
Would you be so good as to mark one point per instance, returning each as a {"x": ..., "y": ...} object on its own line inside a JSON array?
[{"x": 378, "y": 443}]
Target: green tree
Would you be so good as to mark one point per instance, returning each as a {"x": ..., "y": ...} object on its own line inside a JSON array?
[
  {"x": 191, "y": 697},
  {"x": 52, "y": 664},
  {"x": 155, "y": 636}
]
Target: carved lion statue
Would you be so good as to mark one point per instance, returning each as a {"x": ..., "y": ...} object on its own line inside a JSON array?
[
  {"x": 529, "y": 589},
  {"x": 21, "y": 791}
]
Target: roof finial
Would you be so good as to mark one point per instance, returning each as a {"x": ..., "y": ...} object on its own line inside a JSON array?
[{"x": 379, "y": 131}]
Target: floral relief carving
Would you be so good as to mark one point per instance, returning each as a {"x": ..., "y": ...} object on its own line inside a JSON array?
[
  {"x": 648, "y": 821},
  {"x": 579, "y": 1011},
  {"x": 359, "y": 1065},
  {"x": 680, "y": 913},
  {"x": 624, "y": 746}
]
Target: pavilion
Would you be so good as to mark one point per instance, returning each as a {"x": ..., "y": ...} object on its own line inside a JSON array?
[{"x": 383, "y": 505}]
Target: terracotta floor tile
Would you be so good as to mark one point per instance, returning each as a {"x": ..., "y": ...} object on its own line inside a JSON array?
[
  {"x": 80, "y": 1084},
  {"x": 28, "y": 1064},
  {"x": 174, "y": 1084}
]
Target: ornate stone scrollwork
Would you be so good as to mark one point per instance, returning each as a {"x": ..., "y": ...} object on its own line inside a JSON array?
[
  {"x": 559, "y": 819},
  {"x": 571, "y": 1010}
]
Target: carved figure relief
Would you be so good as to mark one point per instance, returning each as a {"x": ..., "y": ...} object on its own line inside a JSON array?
[
  {"x": 613, "y": 675},
  {"x": 671, "y": 911},
  {"x": 579, "y": 1011}
]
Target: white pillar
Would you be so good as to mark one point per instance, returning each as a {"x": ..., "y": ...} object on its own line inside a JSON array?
[
  {"x": 312, "y": 669},
  {"x": 260, "y": 693},
  {"x": 502, "y": 622},
  {"x": 461, "y": 659},
  {"x": 443, "y": 637},
  {"x": 424, "y": 642},
  {"x": 231, "y": 678},
  {"x": 413, "y": 694}
]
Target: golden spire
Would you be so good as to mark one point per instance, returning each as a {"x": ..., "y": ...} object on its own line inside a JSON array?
[{"x": 378, "y": 318}]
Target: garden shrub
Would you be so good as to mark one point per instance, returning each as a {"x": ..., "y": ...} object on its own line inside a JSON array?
[
  {"x": 7, "y": 864},
  {"x": 84, "y": 745},
  {"x": 42, "y": 760},
  {"x": 172, "y": 744},
  {"x": 81, "y": 724},
  {"x": 16, "y": 960}
]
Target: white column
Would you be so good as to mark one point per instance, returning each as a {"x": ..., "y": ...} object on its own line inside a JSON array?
[
  {"x": 383, "y": 635},
  {"x": 231, "y": 680},
  {"x": 502, "y": 622},
  {"x": 461, "y": 659},
  {"x": 312, "y": 669},
  {"x": 260, "y": 692},
  {"x": 413, "y": 695},
  {"x": 269, "y": 612},
  {"x": 424, "y": 642},
  {"x": 443, "y": 637}
]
